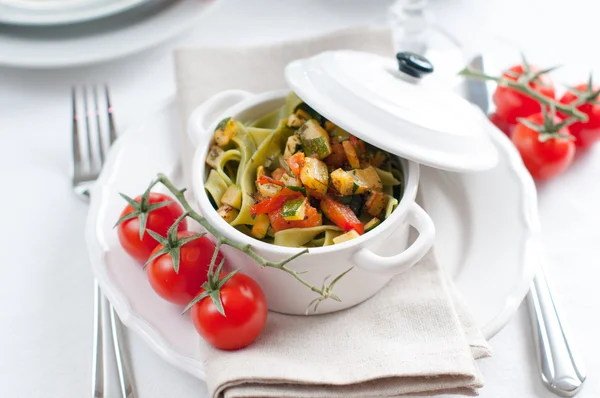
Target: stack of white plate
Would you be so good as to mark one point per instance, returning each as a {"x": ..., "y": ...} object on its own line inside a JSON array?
[{"x": 58, "y": 33}]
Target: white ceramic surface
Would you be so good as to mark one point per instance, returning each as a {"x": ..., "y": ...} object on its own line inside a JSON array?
[
  {"x": 375, "y": 261},
  {"x": 367, "y": 95},
  {"x": 490, "y": 255},
  {"x": 47, "y": 13},
  {"x": 96, "y": 41}
]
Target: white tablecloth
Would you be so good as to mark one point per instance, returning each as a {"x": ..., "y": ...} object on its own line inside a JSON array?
[{"x": 45, "y": 281}]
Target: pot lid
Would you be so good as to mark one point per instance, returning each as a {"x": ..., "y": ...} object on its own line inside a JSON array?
[{"x": 396, "y": 106}]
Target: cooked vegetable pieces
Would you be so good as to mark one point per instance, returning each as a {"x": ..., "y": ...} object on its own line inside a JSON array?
[
  {"x": 232, "y": 197},
  {"x": 314, "y": 176},
  {"x": 306, "y": 174},
  {"x": 315, "y": 140},
  {"x": 225, "y": 131}
]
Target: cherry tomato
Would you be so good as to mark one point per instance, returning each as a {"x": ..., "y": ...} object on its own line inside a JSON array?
[
  {"x": 245, "y": 309},
  {"x": 511, "y": 104},
  {"x": 585, "y": 133},
  {"x": 502, "y": 124},
  {"x": 543, "y": 159},
  {"x": 159, "y": 221},
  {"x": 182, "y": 286}
]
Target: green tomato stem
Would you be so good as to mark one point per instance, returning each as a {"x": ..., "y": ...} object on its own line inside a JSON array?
[
  {"x": 523, "y": 87},
  {"x": 324, "y": 292}
]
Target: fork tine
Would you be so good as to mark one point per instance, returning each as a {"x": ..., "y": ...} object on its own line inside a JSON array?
[
  {"x": 88, "y": 115},
  {"x": 111, "y": 122},
  {"x": 77, "y": 162},
  {"x": 98, "y": 126}
]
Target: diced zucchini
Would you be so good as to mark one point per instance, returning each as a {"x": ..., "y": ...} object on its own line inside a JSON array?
[
  {"x": 260, "y": 227},
  {"x": 346, "y": 237},
  {"x": 302, "y": 113},
  {"x": 351, "y": 154},
  {"x": 366, "y": 180},
  {"x": 315, "y": 140},
  {"x": 232, "y": 197},
  {"x": 222, "y": 124},
  {"x": 293, "y": 145},
  {"x": 294, "y": 209},
  {"x": 289, "y": 180},
  {"x": 372, "y": 224},
  {"x": 215, "y": 154},
  {"x": 343, "y": 182},
  {"x": 314, "y": 175},
  {"x": 224, "y": 131},
  {"x": 228, "y": 213},
  {"x": 356, "y": 181},
  {"x": 378, "y": 159},
  {"x": 329, "y": 126},
  {"x": 340, "y": 134},
  {"x": 268, "y": 190},
  {"x": 300, "y": 189},
  {"x": 376, "y": 203},
  {"x": 295, "y": 121}
]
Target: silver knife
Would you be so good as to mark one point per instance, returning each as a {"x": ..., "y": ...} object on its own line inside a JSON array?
[{"x": 561, "y": 369}]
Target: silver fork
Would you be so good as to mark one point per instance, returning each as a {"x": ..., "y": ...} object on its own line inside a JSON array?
[
  {"x": 561, "y": 368},
  {"x": 93, "y": 123}
]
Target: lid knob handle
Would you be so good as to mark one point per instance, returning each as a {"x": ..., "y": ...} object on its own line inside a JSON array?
[{"x": 413, "y": 64}]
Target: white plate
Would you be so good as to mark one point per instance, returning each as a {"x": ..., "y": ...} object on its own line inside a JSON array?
[
  {"x": 58, "y": 12},
  {"x": 73, "y": 45},
  {"x": 487, "y": 233}
]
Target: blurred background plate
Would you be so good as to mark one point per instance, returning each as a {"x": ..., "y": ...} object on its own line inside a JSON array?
[
  {"x": 60, "y": 12},
  {"x": 147, "y": 25}
]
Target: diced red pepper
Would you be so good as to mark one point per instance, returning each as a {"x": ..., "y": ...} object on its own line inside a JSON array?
[
  {"x": 341, "y": 215},
  {"x": 276, "y": 203},
  {"x": 296, "y": 162},
  {"x": 358, "y": 144},
  {"x": 268, "y": 180},
  {"x": 278, "y": 173},
  {"x": 311, "y": 219}
]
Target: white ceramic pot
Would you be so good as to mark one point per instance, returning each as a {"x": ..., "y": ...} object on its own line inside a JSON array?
[{"x": 376, "y": 256}]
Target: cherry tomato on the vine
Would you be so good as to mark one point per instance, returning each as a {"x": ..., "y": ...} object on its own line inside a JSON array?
[
  {"x": 502, "y": 124},
  {"x": 511, "y": 104},
  {"x": 585, "y": 133},
  {"x": 245, "y": 310},
  {"x": 159, "y": 220},
  {"x": 194, "y": 260},
  {"x": 543, "y": 158}
]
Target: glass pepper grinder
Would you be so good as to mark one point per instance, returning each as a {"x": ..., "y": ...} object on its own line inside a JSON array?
[
  {"x": 411, "y": 23},
  {"x": 414, "y": 29}
]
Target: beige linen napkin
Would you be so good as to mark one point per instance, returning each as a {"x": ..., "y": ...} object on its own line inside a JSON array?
[{"x": 414, "y": 337}]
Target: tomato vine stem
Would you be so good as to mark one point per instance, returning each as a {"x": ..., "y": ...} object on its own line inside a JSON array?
[
  {"x": 325, "y": 291},
  {"x": 522, "y": 85}
]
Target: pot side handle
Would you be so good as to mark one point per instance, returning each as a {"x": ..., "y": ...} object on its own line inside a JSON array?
[
  {"x": 204, "y": 115},
  {"x": 372, "y": 262}
]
